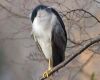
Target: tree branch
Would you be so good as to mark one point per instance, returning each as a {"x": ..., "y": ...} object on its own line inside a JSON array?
[
  {"x": 74, "y": 56},
  {"x": 84, "y": 12},
  {"x": 13, "y": 13}
]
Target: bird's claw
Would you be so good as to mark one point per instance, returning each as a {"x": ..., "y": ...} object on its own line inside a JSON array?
[{"x": 46, "y": 73}]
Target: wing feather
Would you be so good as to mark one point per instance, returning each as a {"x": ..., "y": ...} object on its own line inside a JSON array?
[{"x": 59, "y": 40}]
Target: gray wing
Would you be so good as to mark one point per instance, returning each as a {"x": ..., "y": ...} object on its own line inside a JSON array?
[{"x": 59, "y": 41}]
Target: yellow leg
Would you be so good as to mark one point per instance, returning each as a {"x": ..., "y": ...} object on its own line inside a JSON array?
[
  {"x": 46, "y": 73},
  {"x": 49, "y": 66}
]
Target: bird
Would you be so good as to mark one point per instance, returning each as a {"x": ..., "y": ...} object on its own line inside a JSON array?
[{"x": 48, "y": 31}]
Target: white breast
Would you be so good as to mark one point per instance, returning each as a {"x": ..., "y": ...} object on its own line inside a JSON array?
[{"x": 42, "y": 31}]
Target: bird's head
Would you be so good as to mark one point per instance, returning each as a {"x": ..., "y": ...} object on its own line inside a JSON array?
[{"x": 44, "y": 15}]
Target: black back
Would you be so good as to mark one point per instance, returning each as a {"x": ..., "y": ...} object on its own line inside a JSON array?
[{"x": 59, "y": 40}]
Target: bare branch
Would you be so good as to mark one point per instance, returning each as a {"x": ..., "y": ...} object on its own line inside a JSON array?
[
  {"x": 96, "y": 40},
  {"x": 84, "y": 12},
  {"x": 13, "y": 13}
]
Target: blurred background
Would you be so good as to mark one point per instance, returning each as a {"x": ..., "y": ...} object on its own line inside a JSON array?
[{"x": 20, "y": 58}]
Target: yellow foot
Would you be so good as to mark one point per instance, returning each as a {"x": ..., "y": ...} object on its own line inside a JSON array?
[{"x": 46, "y": 73}]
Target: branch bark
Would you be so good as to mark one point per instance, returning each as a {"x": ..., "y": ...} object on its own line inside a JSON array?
[{"x": 64, "y": 63}]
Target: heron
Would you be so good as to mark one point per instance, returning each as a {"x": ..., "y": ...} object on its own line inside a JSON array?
[{"x": 48, "y": 31}]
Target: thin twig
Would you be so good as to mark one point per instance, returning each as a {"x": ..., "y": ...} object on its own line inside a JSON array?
[
  {"x": 67, "y": 12},
  {"x": 13, "y": 13}
]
